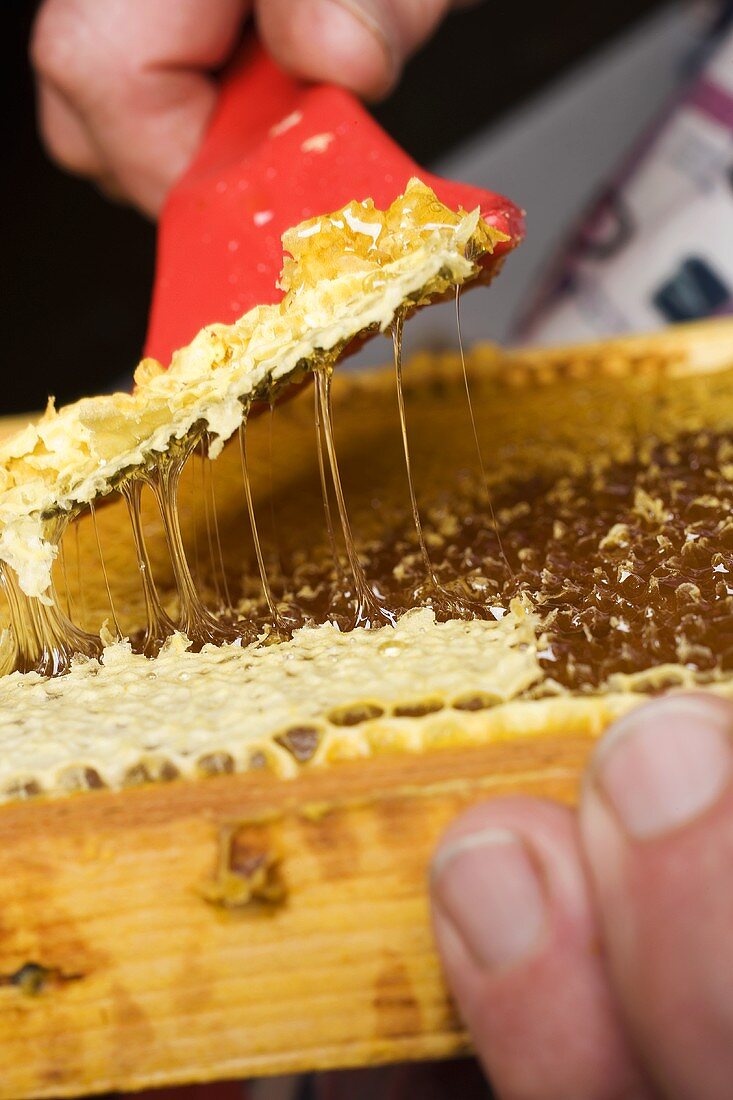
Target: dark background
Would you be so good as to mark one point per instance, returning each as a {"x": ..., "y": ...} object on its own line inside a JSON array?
[{"x": 77, "y": 270}]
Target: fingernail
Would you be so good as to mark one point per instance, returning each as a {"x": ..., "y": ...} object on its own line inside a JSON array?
[
  {"x": 666, "y": 763},
  {"x": 487, "y": 887},
  {"x": 371, "y": 16}
]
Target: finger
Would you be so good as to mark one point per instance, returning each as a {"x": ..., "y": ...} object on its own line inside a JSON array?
[
  {"x": 136, "y": 78},
  {"x": 657, "y": 821},
  {"x": 67, "y": 138},
  {"x": 517, "y": 936},
  {"x": 69, "y": 142},
  {"x": 361, "y": 44}
]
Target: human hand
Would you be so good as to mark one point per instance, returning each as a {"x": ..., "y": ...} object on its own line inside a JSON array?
[
  {"x": 591, "y": 956},
  {"x": 126, "y": 87}
]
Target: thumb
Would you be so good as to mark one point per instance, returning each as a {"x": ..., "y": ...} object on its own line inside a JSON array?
[
  {"x": 360, "y": 44},
  {"x": 515, "y": 929},
  {"x": 657, "y": 823}
]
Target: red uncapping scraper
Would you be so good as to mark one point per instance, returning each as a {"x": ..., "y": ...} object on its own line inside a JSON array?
[{"x": 277, "y": 151}]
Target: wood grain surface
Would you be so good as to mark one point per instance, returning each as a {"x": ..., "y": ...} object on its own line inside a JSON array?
[{"x": 128, "y": 960}]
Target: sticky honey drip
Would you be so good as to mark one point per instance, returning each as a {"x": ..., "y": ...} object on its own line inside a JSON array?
[
  {"x": 45, "y": 640},
  {"x": 195, "y": 502},
  {"x": 279, "y": 624},
  {"x": 433, "y": 592},
  {"x": 271, "y": 487},
  {"x": 217, "y": 557},
  {"x": 65, "y": 575},
  {"x": 474, "y": 429},
  {"x": 368, "y": 610},
  {"x": 195, "y": 620},
  {"x": 79, "y": 585},
  {"x": 158, "y": 625},
  {"x": 324, "y": 489},
  {"x": 201, "y": 464},
  {"x": 397, "y": 326},
  {"x": 98, "y": 541}
]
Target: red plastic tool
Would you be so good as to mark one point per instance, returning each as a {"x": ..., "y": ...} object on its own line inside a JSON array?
[{"x": 277, "y": 151}]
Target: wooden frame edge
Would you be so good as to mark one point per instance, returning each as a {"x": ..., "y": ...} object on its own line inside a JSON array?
[{"x": 268, "y": 927}]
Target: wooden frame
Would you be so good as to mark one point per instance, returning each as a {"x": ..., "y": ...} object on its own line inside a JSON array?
[{"x": 128, "y": 958}]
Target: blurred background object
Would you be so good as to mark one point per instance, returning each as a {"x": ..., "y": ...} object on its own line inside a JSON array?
[
  {"x": 657, "y": 247},
  {"x": 542, "y": 106},
  {"x": 557, "y": 152}
]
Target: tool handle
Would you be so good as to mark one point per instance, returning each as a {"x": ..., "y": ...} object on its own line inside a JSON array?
[{"x": 255, "y": 95}]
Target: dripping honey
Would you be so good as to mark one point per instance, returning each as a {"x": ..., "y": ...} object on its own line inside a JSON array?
[
  {"x": 369, "y": 611},
  {"x": 617, "y": 588},
  {"x": 158, "y": 625}
]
